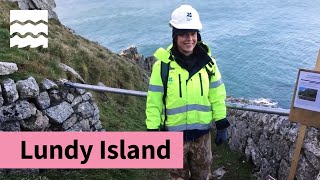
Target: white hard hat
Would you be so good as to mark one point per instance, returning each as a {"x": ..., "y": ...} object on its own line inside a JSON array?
[{"x": 185, "y": 17}]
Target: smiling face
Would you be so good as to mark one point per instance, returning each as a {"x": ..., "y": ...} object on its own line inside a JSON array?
[{"x": 186, "y": 42}]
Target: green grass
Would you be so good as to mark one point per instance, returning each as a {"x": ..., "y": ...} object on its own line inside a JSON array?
[
  {"x": 96, "y": 63},
  {"x": 234, "y": 163}
]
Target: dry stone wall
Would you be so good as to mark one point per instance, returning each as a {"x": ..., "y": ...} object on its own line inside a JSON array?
[
  {"x": 269, "y": 141},
  {"x": 26, "y": 105}
]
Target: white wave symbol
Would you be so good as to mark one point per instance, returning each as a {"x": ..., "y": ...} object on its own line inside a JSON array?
[
  {"x": 33, "y": 42},
  {"x": 34, "y": 29},
  {"x": 24, "y": 15}
]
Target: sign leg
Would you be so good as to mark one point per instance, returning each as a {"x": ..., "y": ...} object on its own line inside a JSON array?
[{"x": 295, "y": 159}]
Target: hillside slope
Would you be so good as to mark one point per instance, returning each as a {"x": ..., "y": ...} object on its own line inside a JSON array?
[{"x": 92, "y": 61}]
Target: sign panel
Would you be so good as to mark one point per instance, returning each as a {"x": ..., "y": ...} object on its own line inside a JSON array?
[
  {"x": 305, "y": 107},
  {"x": 308, "y": 91}
]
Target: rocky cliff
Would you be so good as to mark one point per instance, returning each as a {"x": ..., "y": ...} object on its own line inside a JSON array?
[{"x": 38, "y": 5}]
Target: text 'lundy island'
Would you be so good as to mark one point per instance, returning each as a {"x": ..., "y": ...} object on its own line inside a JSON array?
[{"x": 82, "y": 152}]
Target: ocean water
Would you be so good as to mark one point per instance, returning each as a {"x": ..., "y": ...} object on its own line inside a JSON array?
[{"x": 259, "y": 45}]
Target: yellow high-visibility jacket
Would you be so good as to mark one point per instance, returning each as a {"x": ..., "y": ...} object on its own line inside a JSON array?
[{"x": 191, "y": 102}]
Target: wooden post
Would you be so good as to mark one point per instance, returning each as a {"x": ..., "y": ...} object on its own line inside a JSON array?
[
  {"x": 318, "y": 62},
  {"x": 295, "y": 159}
]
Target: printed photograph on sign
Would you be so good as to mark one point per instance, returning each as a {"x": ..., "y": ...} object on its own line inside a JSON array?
[{"x": 307, "y": 96}]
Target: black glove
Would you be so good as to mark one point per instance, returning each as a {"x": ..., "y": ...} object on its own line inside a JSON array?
[
  {"x": 222, "y": 136},
  {"x": 222, "y": 124}
]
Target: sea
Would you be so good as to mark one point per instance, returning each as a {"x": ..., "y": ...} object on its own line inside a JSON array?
[{"x": 259, "y": 45}]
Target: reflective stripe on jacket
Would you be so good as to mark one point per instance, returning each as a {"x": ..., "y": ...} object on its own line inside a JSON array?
[{"x": 191, "y": 103}]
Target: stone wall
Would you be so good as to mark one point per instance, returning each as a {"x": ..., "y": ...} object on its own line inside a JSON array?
[
  {"x": 269, "y": 141},
  {"x": 26, "y": 105}
]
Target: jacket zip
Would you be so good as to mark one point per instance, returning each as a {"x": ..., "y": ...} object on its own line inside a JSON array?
[
  {"x": 180, "y": 91},
  {"x": 201, "y": 84}
]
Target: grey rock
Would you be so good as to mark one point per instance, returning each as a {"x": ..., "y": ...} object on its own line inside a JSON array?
[
  {"x": 241, "y": 132},
  {"x": 43, "y": 100},
  {"x": 60, "y": 113},
  {"x": 36, "y": 123},
  {"x": 239, "y": 112},
  {"x": 314, "y": 160},
  {"x": 281, "y": 148},
  {"x": 272, "y": 126},
  {"x": 1, "y": 98},
  {"x": 312, "y": 133},
  {"x": 87, "y": 96},
  {"x": 244, "y": 116},
  {"x": 98, "y": 125},
  {"x": 235, "y": 141},
  {"x": 76, "y": 101},
  {"x": 284, "y": 129},
  {"x": 312, "y": 146},
  {"x": 81, "y": 126},
  {"x": 219, "y": 173},
  {"x": 317, "y": 178},
  {"x": 100, "y": 84},
  {"x": 232, "y": 119},
  {"x": 293, "y": 132},
  {"x": 85, "y": 110},
  {"x": 265, "y": 118},
  {"x": 80, "y": 91},
  {"x": 3, "y": 171},
  {"x": 10, "y": 126},
  {"x": 265, "y": 147},
  {"x": 267, "y": 168},
  {"x": 95, "y": 119},
  {"x": 148, "y": 63},
  {"x": 70, "y": 98},
  {"x": 47, "y": 84},
  {"x": 33, "y": 109},
  {"x": 38, "y": 4},
  {"x": 85, "y": 125},
  {"x": 18, "y": 111},
  {"x": 311, "y": 142},
  {"x": 249, "y": 149},
  {"x": 69, "y": 122},
  {"x": 284, "y": 170},
  {"x": 27, "y": 172},
  {"x": 256, "y": 132},
  {"x": 55, "y": 97},
  {"x": 305, "y": 170},
  {"x": 70, "y": 70},
  {"x": 10, "y": 91},
  {"x": 96, "y": 109},
  {"x": 7, "y": 68},
  {"x": 28, "y": 88}
]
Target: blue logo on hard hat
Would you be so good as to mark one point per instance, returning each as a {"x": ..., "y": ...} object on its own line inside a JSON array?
[{"x": 189, "y": 16}]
